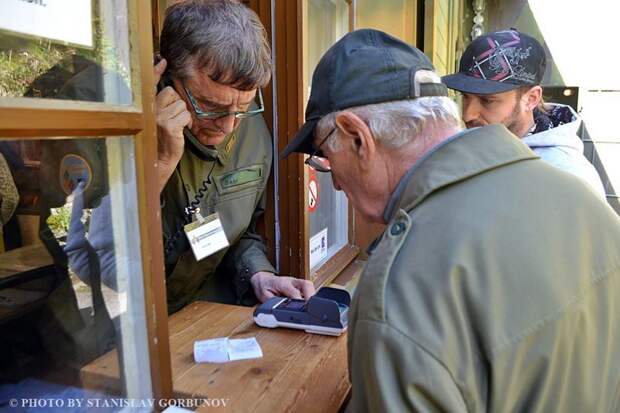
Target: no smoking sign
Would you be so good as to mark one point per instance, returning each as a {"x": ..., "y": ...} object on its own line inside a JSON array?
[{"x": 313, "y": 193}]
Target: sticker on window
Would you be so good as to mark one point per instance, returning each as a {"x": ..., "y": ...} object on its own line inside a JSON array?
[
  {"x": 313, "y": 193},
  {"x": 318, "y": 248}
]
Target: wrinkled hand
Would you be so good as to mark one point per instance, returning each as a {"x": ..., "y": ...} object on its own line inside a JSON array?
[
  {"x": 172, "y": 116},
  {"x": 267, "y": 285}
]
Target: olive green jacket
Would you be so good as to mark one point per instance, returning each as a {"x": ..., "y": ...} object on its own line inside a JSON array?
[
  {"x": 238, "y": 179},
  {"x": 495, "y": 287}
]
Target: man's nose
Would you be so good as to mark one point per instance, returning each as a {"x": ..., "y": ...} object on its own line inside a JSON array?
[
  {"x": 471, "y": 110},
  {"x": 226, "y": 123},
  {"x": 337, "y": 186}
]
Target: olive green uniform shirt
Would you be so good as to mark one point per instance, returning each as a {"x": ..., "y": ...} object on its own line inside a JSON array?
[
  {"x": 495, "y": 287},
  {"x": 236, "y": 191}
]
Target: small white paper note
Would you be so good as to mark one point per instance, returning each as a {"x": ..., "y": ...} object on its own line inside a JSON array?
[
  {"x": 211, "y": 351},
  {"x": 223, "y": 349},
  {"x": 244, "y": 348}
]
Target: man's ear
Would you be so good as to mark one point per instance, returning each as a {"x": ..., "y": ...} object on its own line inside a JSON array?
[
  {"x": 533, "y": 97},
  {"x": 355, "y": 133}
]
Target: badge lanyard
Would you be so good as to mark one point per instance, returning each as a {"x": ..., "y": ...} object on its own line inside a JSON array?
[{"x": 171, "y": 242}]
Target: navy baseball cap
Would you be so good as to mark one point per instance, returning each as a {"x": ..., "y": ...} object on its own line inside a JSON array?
[
  {"x": 364, "y": 67},
  {"x": 498, "y": 62}
]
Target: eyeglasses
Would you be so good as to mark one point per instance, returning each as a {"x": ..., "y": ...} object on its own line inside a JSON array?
[
  {"x": 318, "y": 162},
  {"x": 201, "y": 114}
]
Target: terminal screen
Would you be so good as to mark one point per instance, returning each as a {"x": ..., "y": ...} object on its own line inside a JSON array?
[{"x": 292, "y": 305}]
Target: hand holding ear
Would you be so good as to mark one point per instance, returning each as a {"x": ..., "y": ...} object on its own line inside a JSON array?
[{"x": 172, "y": 116}]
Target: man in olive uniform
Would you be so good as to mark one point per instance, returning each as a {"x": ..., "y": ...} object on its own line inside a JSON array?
[
  {"x": 495, "y": 285},
  {"x": 215, "y": 152}
]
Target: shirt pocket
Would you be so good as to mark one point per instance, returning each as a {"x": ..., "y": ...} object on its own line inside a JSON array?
[
  {"x": 238, "y": 192},
  {"x": 240, "y": 182}
]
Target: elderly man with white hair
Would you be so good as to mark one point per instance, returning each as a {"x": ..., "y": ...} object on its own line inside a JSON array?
[{"x": 494, "y": 285}]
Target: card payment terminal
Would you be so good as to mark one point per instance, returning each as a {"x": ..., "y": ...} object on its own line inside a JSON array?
[{"x": 324, "y": 313}]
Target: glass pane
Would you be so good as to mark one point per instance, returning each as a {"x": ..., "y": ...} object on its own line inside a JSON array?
[
  {"x": 396, "y": 17},
  {"x": 62, "y": 49},
  {"x": 327, "y": 23},
  {"x": 71, "y": 284}
]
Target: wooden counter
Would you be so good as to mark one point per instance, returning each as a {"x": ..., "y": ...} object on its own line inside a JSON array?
[
  {"x": 298, "y": 372},
  {"x": 24, "y": 259},
  {"x": 20, "y": 266}
]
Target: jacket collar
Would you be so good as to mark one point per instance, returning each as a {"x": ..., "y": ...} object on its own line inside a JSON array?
[
  {"x": 221, "y": 152},
  {"x": 225, "y": 148},
  {"x": 459, "y": 157}
]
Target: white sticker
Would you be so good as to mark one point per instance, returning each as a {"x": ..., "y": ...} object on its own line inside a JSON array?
[
  {"x": 67, "y": 21},
  {"x": 313, "y": 194},
  {"x": 318, "y": 248},
  {"x": 207, "y": 237}
]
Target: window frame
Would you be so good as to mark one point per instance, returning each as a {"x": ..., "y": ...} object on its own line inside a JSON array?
[
  {"x": 293, "y": 175},
  {"x": 288, "y": 41}
]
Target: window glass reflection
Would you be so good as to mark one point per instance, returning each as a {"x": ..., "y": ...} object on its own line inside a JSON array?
[
  {"x": 61, "y": 44},
  {"x": 71, "y": 284}
]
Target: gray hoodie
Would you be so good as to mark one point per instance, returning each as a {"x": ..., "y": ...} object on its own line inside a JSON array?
[{"x": 556, "y": 141}]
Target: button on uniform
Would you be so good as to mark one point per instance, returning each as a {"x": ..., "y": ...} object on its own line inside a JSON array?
[{"x": 398, "y": 228}]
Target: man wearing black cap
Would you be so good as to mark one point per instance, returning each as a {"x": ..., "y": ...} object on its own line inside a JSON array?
[
  {"x": 499, "y": 77},
  {"x": 471, "y": 300}
]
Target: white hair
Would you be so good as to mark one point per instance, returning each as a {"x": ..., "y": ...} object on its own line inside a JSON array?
[{"x": 397, "y": 123}]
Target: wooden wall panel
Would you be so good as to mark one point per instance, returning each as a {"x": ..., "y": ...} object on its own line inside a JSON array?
[
  {"x": 441, "y": 33},
  {"x": 288, "y": 29},
  {"x": 287, "y": 48}
]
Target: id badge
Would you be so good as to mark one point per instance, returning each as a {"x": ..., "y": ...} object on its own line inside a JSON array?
[{"x": 206, "y": 235}]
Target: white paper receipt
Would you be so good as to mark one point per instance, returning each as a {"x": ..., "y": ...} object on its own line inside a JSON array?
[
  {"x": 221, "y": 350},
  {"x": 211, "y": 351},
  {"x": 206, "y": 237},
  {"x": 244, "y": 348}
]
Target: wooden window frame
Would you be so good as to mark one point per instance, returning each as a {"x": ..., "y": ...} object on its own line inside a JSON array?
[
  {"x": 31, "y": 118},
  {"x": 293, "y": 174}
]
